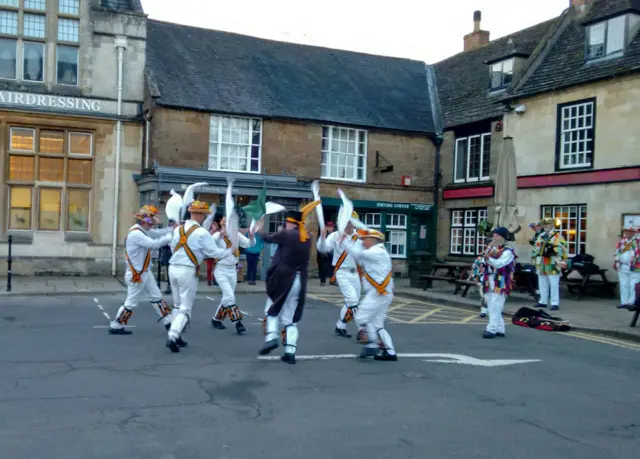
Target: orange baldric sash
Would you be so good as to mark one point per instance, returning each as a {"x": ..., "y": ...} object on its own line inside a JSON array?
[
  {"x": 228, "y": 242},
  {"x": 137, "y": 276},
  {"x": 341, "y": 260},
  {"x": 381, "y": 288},
  {"x": 182, "y": 244}
]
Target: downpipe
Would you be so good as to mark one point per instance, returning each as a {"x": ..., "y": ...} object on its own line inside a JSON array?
[{"x": 121, "y": 45}]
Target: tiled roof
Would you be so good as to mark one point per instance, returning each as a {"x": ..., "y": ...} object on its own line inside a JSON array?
[
  {"x": 463, "y": 79},
  {"x": 601, "y": 9},
  {"x": 225, "y": 72},
  {"x": 564, "y": 64},
  {"x": 133, "y": 6}
]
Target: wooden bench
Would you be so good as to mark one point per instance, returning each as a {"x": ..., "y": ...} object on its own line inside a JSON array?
[
  {"x": 432, "y": 277},
  {"x": 585, "y": 283},
  {"x": 464, "y": 285}
]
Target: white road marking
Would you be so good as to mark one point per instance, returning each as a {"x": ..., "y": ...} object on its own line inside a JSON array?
[
  {"x": 107, "y": 326},
  {"x": 107, "y": 316},
  {"x": 452, "y": 358},
  {"x": 209, "y": 298},
  {"x": 101, "y": 308},
  {"x": 96, "y": 300}
]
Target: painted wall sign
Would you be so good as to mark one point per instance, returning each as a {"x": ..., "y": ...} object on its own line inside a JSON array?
[
  {"x": 466, "y": 193},
  {"x": 423, "y": 231},
  {"x": 380, "y": 205},
  {"x": 23, "y": 99},
  {"x": 603, "y": 176}
]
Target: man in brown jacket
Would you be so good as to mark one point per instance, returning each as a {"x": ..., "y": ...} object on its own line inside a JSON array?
[{"x": 287, "y": 282}]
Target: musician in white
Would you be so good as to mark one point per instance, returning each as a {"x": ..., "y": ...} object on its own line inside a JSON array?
[
  {"x": 190, "y": 245},
  {"x": 141, "y": 240},
  {"x": 375, "y": 262},
  {"x": 346, "y": 272},
  {"x": 226, "y": 275}
]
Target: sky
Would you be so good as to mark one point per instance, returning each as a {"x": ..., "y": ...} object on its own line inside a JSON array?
[{"x": 426, "y": 30}]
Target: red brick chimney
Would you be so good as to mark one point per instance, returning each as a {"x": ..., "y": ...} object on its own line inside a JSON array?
[
  {"x": 478, "y": 38},
  {"x": 580, "y": 5}
]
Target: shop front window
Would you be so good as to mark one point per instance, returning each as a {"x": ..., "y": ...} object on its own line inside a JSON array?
[{"x": 50, "y": 179}]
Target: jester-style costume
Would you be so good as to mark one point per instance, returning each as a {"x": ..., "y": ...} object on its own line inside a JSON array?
[
  {"x": 550, "y": 251},
  {"x": 138, "y": 245},
  {"x": 497, "y": 285},
  {"x": 627, "y": 263},
  {"x": 226, "y": 273}
]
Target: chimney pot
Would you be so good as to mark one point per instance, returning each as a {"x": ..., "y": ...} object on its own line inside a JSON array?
[{"x": 477, "y": 17}]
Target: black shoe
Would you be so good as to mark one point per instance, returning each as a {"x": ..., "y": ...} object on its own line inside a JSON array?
[
  {"x": 119, "y": 331},
  {"x": 217, "y": 324},
  {"x": 269, "y": 346},
  {"x": 167, "y": 326},
  {"x": 240, "y": 329},
  {"x": 540, "y": 305},
  {"x": 172, "y": 345},
  {"x": 181, "y": 343},
  {"x": 289, "y": 358},
  {"x": 167, "y": 291},
  {"x": 500, "y": 335},
  {"x": 368, "y": 352},
  {"x": 488, "y": 335},
  {"x": 209, "y": 283},
  {"x": 386, "y": 357},
  {"x": 342, "y": 332}
]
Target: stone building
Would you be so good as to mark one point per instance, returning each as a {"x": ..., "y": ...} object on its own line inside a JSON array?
[
  {"x": 71, "y": 88},
  {"x": 576, "y": 133},
  {"x": 280, "y": 115}
]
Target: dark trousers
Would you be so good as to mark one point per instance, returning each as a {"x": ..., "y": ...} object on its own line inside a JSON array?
[
  {"x": 324, "y": 268},
  {"x": 252, "y": 266}
]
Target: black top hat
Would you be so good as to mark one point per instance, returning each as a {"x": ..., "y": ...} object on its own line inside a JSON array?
[{"x": 294, "y": 215}]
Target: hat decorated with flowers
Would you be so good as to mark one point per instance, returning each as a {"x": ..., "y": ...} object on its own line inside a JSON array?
[
  {"x": 199, "y": 207},
  {"x": 371, "y": 233},
  {"x": 148, "y": 214}
]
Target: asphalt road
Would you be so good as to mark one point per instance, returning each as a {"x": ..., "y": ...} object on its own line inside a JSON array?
[{"x": 69, "y": 390}]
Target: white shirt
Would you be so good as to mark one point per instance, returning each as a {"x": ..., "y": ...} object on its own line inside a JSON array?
[
  {"x": 506, "y": 257},
  {"x": 200, "y": 242},
  {"x": 332, "y": 243},
  {"x": 231, "y": 259},
  {"x": 139, "y": 242},
  {"x": 375, "y": 261}
]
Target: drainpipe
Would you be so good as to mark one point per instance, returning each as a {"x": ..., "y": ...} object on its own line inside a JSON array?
[
  {"x": 147, "y": 125},
  {"x": 121, "y": 45},
  {"x": 437, "y": 141}
]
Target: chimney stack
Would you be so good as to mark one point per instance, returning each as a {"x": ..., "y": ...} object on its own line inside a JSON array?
[
  {"x": 580, "y": 5},
  {"x": 478, "y": 38}
]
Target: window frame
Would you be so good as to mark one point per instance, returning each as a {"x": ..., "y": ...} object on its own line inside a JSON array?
[
  {"x": 579, "y": 217},
  {"x": 219, "y": 143},
  {"x": 559, "y": 167},
  {"x": 326, "y": 166},
  {"x": 388, "y": 229},
  {"x": 467, "y": 178},
  {"x": 35, "y": 184},
  {"x": 501, "y": 63},
  {"x": 615, "y": 54},
  {"x": 464, "y": 228}
]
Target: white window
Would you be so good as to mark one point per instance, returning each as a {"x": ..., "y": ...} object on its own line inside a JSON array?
[
  {"x": 373, "y": 220},
  {"x": 573, "y": 225},
  {"x": 235, "y": 144},
  {"x": 396, "y": 235},
  {"x": 472, "y": 158},
  {"x": 606, "y": 38},
  {"x": 577, "y": 125},
  {"x": 344, "y": 154},
  {"x": 24, "y": 50},
  {"x": 465, "y": 239},
  {"x": 501, "y": 74}
]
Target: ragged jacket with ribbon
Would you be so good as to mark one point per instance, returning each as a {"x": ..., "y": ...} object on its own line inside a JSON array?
[{"x": 628, "y": 252}]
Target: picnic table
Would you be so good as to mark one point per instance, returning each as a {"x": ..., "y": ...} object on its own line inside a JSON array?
[
  {"x": 586, "y": 280},
  {"x": 454, "y": 271}
]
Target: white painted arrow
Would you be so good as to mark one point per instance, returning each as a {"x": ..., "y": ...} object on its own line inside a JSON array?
[{"x": 438, "y": 358}]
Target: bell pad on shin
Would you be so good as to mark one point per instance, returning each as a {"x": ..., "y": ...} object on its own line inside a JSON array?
[
  {"x": 349, "y": 314},
  {"x": 124, "y": 317}
]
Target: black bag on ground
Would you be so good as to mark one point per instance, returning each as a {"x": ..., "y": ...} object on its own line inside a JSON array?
[{"x": 540, "y": 320}]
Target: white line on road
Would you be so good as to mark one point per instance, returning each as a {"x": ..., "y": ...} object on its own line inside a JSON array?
[
  {"x": 107, "y": 326},
  {"x": 96, "y": 300},
  {"x": 101, "y": 308},
  {"x": 452, "y": 358},
  {"x": 107, "y": 316}
]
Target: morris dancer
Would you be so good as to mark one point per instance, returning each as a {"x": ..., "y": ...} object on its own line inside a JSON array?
[
  {"x": 191, "y": 244},
  {"x": 550, "y": 255},
  {"x": 226, "y": 273},
  {"x": 140, "y": 241},
  {"x": 377, "y": 270},
  {"x": 346, "y": 272},
  {"x": 287, "y": 282},
  {"x": 498, "y": 280},
  {"x": 627, "y": 264}
]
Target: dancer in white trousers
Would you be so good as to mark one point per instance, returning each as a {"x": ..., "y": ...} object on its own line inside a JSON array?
[
  {"x": 226, "y": 273},
  {"x": 550, "y": 252},
  {"x": 627, "y": 264},
  {"x": 500, "y": 262},
  {"x": 191, "y": 244},
  {"x": 346, "y": 273},
  {"x": 287, "y": 282},
  {"x": 377, "y": 272},
  {"x": 140, "y": 241}
]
